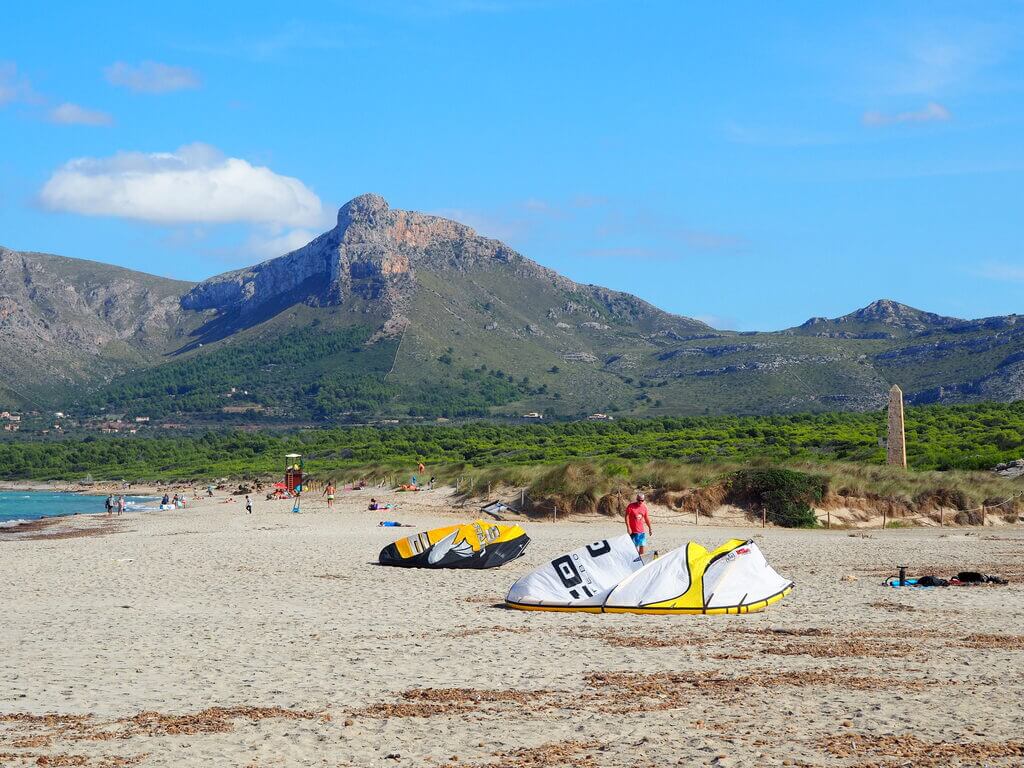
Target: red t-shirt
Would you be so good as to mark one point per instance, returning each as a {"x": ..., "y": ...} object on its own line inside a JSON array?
[{"x": 636, "y": 517}]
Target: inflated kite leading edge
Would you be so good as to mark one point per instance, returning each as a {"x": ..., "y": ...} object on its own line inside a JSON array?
[
  {"x": 479, "y": 544},
  {"x": 608, "y": 577}
]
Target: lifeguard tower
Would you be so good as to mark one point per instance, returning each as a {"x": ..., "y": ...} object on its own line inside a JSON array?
[{"x": 293, "y": 473}]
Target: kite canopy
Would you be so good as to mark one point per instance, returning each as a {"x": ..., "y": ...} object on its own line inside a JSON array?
[
  {"x": 479, "y": 544},
  {"x": 578, "y": 581},
  {"x": 735, "y": 578}
]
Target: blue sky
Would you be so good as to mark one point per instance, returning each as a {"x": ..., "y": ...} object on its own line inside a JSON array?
[{"x": 751, "y": 164}]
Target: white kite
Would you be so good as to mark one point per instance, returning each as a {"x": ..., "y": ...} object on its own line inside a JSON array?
[{"x": 609, "y": 577}]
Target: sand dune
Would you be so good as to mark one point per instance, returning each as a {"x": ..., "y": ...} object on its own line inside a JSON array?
[{"x": 211, "y": 637}]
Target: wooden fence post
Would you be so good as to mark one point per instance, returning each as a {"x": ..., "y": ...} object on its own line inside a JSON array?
[
  {"x": 764, "y": 516},
  {"x": 884, "y": 517},
  {"x": 828, "y": 519}
]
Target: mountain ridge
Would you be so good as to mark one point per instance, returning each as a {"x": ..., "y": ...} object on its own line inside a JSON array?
[
  {"x": 399, "y": 313},
  {"x": 369, "y": 252},
  {"x": 60, "y": 315}
]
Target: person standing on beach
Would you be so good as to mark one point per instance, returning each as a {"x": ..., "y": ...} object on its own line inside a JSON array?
[
  {"x": 110, "y": 504},
  {"x": 637, "y": 520},
  {"x": 329, "y": 493},
  {"x": 120, "y": 505},
  {"x": 248, "y": 504}
]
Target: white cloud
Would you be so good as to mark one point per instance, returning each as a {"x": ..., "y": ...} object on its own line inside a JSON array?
[
  {"x": 420, "y": 8},
  {"x": 1010, "y": 273},
  {"x": 627, "y": 252},
  {"x": 719, "y": 322},
  {"x": 195, "y": 184},
  {"x": 931, "y": 112},
  {"x": 269, "y": 247},
  {"x": 151, "y": 77},
  {"x": 14, "y": 87},
  {"x": 939, "y": 59},
  {"x": 73, "y": 114},
  {"x": 494, "y": 224},
  {"x": 8, "y": 82}
]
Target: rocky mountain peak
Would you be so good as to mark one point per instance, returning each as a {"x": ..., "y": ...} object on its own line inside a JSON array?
[
  {"x": 365, "y": 209},
  {"x": 883, "y": 318},
  {"x": 371, "y": 254},
  {"x": 892, "y": 313}
]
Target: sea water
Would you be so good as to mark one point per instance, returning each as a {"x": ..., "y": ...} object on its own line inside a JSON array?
[{"x": 19, "y": 506}]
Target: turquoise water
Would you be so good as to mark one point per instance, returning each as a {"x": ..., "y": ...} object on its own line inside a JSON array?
[{"x": 31, "y": 505}]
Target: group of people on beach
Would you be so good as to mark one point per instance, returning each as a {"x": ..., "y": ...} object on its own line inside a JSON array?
[
  {"x": 179, "y": 501},
  {"x": 637, "y": 516}
]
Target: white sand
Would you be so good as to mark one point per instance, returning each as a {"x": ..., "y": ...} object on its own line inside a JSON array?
[{"x": 177, "y": 612}]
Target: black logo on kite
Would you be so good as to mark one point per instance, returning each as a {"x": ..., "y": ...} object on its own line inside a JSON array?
[
  {"x": 570, "y": 576},
  {"x": 599, "y": 548}
]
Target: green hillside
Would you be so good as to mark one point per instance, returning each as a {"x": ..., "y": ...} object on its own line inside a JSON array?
[{"x": 400, "y": 315}]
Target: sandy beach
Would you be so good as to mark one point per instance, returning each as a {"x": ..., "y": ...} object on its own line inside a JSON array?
[{"x": 210, "y": 637}]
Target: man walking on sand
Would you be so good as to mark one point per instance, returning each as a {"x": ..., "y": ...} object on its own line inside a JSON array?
[
  {"x": 329, "y": 493},
  {"x": 637, "y": 520},
  {"x": 248, "y": 504}
]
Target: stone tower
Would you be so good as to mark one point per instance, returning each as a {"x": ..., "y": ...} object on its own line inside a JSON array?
[{"x": 897, "y": 437}]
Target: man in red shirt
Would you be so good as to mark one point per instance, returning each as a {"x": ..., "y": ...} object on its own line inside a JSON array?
[{"x": 637, "y": 519}]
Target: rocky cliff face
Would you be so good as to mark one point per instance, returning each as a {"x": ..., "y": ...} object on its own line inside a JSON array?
[
  {"x": 371, "y": 254},
  {"x": 374, "y": 255},
  {"x": 64, "y": 301},
  {"x": 61, "y": 318}
]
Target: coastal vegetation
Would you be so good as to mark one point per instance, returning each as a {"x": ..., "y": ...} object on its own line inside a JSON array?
[
  {"x": 582, "y": 465},
  {"x": 939, "y": 438}
]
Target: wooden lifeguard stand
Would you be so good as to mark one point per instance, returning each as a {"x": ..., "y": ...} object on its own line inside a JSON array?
[{"x": 293, "y": 472}]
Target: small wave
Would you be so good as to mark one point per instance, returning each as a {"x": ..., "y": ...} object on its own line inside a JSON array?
[{"x": 13, "y": 523}]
